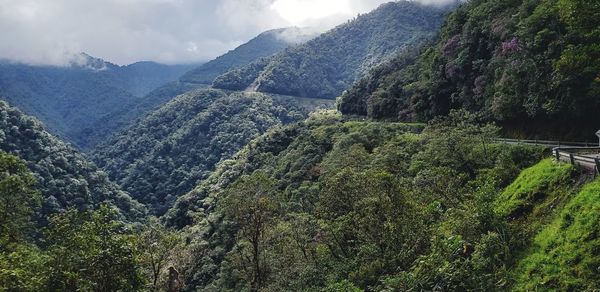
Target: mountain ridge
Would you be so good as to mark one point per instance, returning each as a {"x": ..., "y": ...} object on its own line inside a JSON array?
[
  {"x": 167, "y": 152},
  {"x": 65, "y": 177},
  {"x": 70, "y": 100},
  {"x": 324, "y": 66},
  {"x": 263, "y": 45}
]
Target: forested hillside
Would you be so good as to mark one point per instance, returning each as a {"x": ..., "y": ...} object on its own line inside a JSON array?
[
  {"x": 64, "y": 177},
  {"x": 264, "y": 45},
  {"x": 328, "y": 64},
  {"x": 167, "y": 153},
  {"x": 406, "y": 187},
  {"x": 71, "y": 101},
  {"x": 532, "y": 66},
  {"x": 124, "y": 115},
  {"x": 141, "y": 78},
  {"x": 387, "y": 206}
]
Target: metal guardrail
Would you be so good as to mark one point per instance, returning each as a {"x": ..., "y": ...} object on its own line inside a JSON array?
[
  {"x": 583, "y": 154},
  {"x": 547, "y": 142},
  {"x": 586, "y": 157}
]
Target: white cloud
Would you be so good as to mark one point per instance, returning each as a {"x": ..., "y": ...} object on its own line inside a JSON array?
[
  {"x": 170, "y": 31},
  {"x": 298, "y": 12}
]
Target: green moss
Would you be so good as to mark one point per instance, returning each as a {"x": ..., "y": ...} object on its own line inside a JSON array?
[
  {"x": 536, "y": 189},
  {"x": 565, "y": 255}
]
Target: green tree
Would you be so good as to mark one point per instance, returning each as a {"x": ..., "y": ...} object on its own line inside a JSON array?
[
  {"x": 23, "y": 267},
  {"x": 250, "y": 205},
  {"x": 18, "y": 198},
  {"x": 156, "y": 245},
  {"x": 92, "y": 251},
  {"x": 21, "y": 264}
]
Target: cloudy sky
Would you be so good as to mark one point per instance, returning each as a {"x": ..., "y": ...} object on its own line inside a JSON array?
[{"x": 167, "y": 31}]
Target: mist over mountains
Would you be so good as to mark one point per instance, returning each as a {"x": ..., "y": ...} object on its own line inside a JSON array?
[
  {"x": 70, "y": 100},
  {"x": 404, "y": 149}
]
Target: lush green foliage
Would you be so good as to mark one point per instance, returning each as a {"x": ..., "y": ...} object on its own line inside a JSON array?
[
  {"x": 243, "y": 78},
  {"x": 18, "y": 198},
  {"x": 77, "y": 250},
  {"x": 20, "y": 263},
  {"x": 83, "y": 251},
  {"x": 157, "y": 247},
  {"x": 349, "y": 205},
  {"x": 168, "y": 152},
  {"x": 326, "y": 65},
  {"x": 124, "y": 115},
  {"x": 264, "y": 45},
  {"x": 519, "y": 62},
  {"x": 534, "y": 185},
  {"x": 76, "y": 101},
  {"x": 328, "y": 203},
  {"x": 64, "y": 177},
  {"x": 91, "y": 251},
  {"x": 564, "y": 255}
]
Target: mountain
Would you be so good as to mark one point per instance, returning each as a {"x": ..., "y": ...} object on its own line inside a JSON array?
[
  {"x": 65, "y": 178},
  {"x": 327, "y": 65},
  {"x": 362, "y": 202},
  {"x": 141, "y": 78},
  {"x": 407, "y": 187},
  {"x": 166, "y": 153},
  {"x": 265, "y": 44},
  {"x": 71, "y": 100},
  {"x": 530, "y": 66},
  {"x": 120, "y": 118},
  {"x": 381, "y": 206}
]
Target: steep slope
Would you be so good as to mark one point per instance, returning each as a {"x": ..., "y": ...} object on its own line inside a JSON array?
[
  {"x": 141, "y": 78},
  {"x": 372, "y": 205},
  {"x": 564, "y": 255},
  {"x": 326, "y": 65},
  {"x": 71, "y": 100},
  {"x": 531, "y": 66},
  {"x": 169, "y": 151},
  {"x": 265, "y": 44},
  {"x": 125, "y": 114},
  {"x": 65, "y": 178}
]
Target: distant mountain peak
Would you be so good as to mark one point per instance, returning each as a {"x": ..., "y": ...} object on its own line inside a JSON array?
[
  {"x": 265, "y": 44},
  {"x": 326, "y": 65},
  {"x": 85, "y": 61}
]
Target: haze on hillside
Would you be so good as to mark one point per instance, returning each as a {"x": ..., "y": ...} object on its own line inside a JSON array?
[
  {"x": 165, "y": 31},
  {"x": 413, "y": 147}
]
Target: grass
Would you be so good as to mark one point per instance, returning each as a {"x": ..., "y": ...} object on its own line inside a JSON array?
[
  {"x": 536, "y": 190},
  {"x": 565, "y": 255}
]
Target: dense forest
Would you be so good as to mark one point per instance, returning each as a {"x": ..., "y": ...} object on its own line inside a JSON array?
[
  {"x": 77, "y": 250},
  {"x": 264, "y": 45},
  {"x": 74, "y": 101},
  {"x": 384, "y": 206},
  {"x": 532, "y": 63},
  {"x": 327, "y": 65},
  {"x": 407, "y": 186},
  {"x": 64, "y": 177},
  {"x": 168, "y": 152}
]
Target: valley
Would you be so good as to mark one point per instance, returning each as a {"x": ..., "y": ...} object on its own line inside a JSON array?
[{"x": 376, "y": 155}]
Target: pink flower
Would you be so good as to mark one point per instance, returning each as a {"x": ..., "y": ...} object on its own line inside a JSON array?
[
  {"x": 479, "y": 85},
  {"x": 451, "y": 70},
  {"x": 451, "y": 46},
  {"x": 511, "y": 46}
]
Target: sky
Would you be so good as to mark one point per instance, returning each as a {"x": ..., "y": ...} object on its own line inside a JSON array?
[{"x": 51, "y": 32}]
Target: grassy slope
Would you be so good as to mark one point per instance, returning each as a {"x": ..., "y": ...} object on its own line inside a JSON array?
[
  {"x": 558, "y": 221},
  {"x": 565, "y": 255},
  {"x": 535, "y": 189}
]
